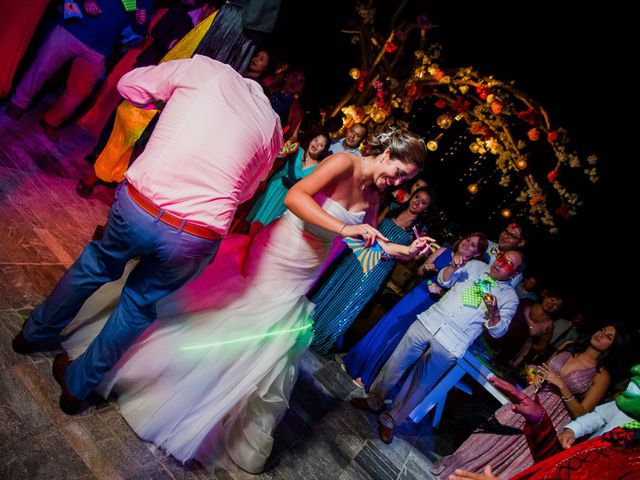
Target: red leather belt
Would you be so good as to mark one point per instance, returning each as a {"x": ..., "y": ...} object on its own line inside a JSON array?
[{"x": 170, "y": 219}]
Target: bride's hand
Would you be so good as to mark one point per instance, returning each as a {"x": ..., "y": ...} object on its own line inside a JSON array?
[{"x": 366, "y": 231}]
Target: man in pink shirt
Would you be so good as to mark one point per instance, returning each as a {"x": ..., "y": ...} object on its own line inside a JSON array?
[{"x": 216, "y": 139}]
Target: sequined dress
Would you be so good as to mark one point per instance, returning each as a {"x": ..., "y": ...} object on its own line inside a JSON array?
[
  {"x": 346, "y": 292},
  {"x": 509, "y": 454}
]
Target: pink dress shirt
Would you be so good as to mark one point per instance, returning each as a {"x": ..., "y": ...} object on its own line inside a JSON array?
[{"x": 215, "y": 141}]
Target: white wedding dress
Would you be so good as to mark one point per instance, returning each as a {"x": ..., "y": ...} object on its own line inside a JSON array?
[{"x": 211, "y": 378}]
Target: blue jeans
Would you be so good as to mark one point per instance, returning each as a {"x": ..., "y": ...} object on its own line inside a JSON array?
[{"x": 169, "y": 258}]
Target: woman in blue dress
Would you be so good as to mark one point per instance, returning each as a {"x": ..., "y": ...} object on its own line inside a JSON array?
[
  {"x": 298, "y": 164},
  {"x": 369, "y": 355},
  {"x": 346, "y": 292}
]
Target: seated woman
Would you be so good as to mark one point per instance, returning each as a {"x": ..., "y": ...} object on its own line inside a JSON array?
[
  {"x": 348, "y": 289},
  {"x": 297, "y": 164},
  {"x": 368, "y": 356},
  {"x": 571, "y": 384}
]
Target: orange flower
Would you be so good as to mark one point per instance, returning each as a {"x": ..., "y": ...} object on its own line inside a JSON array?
[
  {"x": 478, "y": 128},
  {"x": 533, "y": 134},
  {"x": 496, "y": 107},
  {"x": 535, "y": 199}
]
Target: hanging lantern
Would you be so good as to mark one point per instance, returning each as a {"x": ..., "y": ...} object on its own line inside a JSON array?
[
  {"x": 505, "y": 212},
  {"x": 474, "y": 147},
  {"x": 473, "y": 188},
  {"x": 444, "y": 121},
  {"x": 432, "y": 145},
  {"x": 354, "y": 73}
]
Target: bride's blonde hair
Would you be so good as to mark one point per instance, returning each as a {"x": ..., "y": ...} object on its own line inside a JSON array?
[{"x": 403, "y": 145}]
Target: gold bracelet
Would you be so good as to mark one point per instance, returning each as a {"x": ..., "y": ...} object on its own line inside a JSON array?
[{"x": 568, "y": 399}]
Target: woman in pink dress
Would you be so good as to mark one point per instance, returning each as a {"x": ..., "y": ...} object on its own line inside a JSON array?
[{"x": 571, "y": 384}]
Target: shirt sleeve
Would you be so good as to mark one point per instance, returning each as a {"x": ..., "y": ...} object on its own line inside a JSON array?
[
  {"x": 452, "y": 280},
  {"x": 145, "y": 87},
  {"x": 269, "y": 154},
  {"x": 593, "y": 421},
  {"x": 507, "y": 311}
]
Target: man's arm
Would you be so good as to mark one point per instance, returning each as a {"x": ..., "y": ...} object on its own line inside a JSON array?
[
  {"x": 499, "y": 316},
  {"x": 588, "y": 423},
  {"x": 448, "y": 275},
  {"x": 147, "y": 87}
]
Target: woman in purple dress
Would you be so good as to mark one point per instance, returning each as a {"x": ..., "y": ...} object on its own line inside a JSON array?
[
  {"x": 367, "y": 357},
  {"x": 571, "y": 384}
]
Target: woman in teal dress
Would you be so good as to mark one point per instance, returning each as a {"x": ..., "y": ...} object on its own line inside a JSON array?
[
  {"x": 298, "y": 164},
  {"x": 345, "y": 293}
]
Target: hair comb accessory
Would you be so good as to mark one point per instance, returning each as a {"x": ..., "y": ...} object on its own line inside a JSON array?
[{"x": 385, "y": 136}]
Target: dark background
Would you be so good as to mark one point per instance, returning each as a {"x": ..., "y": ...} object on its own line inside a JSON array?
[{"x": 574, "y": 58}]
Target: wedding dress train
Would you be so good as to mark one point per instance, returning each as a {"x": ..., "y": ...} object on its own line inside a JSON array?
[{"x": 210, "y": 379}]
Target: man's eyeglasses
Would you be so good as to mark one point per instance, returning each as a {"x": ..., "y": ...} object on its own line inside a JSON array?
[{"x": 512, "y": 236}]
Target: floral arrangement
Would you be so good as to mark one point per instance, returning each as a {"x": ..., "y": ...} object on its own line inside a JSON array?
[{"x": 502, "y": 121}]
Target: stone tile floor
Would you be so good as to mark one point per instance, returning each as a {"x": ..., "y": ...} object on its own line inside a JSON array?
[{"x": 45, "y": 225}]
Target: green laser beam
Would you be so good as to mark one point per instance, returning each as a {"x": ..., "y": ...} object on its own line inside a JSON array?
[{"x": 250, "y": 337}]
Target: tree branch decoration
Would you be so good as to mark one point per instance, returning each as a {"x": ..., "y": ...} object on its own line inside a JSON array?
[{"x": 504, "y": 122}]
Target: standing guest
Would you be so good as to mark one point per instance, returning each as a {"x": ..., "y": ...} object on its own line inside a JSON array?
[
  {"x": 284, "y": 98},
  {"x": 86, "y": 43},
  {"x": 369, "y": 355},
  {"x": 570, "y": 384},
  {"x": 176, "y": 205},
  {"x": 348, "y": 289},
  {"x": 350, "y": 143},
  {"x": 212, "y": 378},
  {"x": 479, "y": 297},
  {"x": 298, "y": 165}
]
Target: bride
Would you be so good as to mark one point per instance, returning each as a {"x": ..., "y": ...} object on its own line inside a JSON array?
[{"x": 211, "y": 378}]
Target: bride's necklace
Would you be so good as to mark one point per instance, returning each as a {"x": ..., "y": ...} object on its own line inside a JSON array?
[{"x": 363, "y": 186}]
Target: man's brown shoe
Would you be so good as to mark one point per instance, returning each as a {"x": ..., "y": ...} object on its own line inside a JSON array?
[
  {"x": 386, "y": 433},
  {"x": 68, "y": 403}
]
